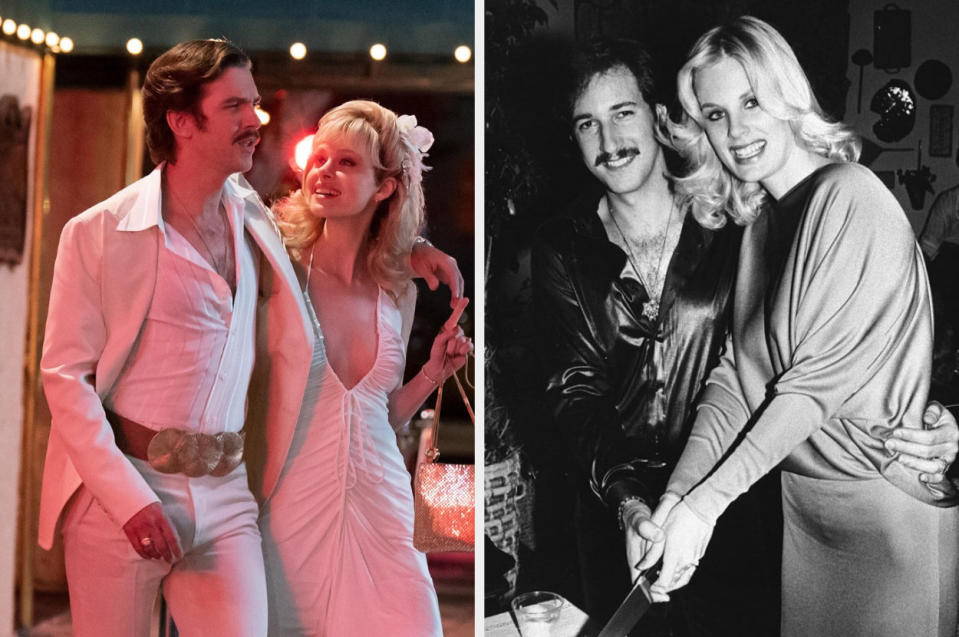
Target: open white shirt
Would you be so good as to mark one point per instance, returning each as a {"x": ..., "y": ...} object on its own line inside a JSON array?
[{"x": 191, "y": 366}]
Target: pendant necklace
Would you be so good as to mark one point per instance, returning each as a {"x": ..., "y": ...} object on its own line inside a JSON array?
[
  {"x": 654, "y": 409},
  {"x": 219, "y": 265},
  {"x": 654, "y": 288}
]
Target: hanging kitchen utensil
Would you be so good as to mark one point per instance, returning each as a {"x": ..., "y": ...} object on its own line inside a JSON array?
[
  {"x": 933, "y": 79},
  {"x": 861, "y": 58},
  {"x": 896, "y": 105},
  {"x": 918, "y": 182},
  {"x": 892, "y": 38},
  {"x": 871, "y": 150}
]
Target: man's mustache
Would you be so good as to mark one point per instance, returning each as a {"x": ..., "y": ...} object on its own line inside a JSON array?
[
  {"x": 621, "y": 153},
  {"x": 247, "y": 135}
]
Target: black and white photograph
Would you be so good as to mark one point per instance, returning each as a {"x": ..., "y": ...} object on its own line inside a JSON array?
[{"x": 719, "y": 365}]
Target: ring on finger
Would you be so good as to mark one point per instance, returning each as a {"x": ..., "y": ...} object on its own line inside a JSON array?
[{"x": 146, "y": 542}]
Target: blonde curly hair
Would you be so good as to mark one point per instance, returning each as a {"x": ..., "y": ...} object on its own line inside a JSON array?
[
  {"x": 782, "y": 90},
  {"x": 398, "y": 219}
]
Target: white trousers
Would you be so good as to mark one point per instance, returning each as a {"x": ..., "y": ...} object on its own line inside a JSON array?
[{"x": 217, "y": 588}]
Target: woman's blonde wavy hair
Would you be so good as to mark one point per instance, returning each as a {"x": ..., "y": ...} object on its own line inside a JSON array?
[
  {"x": 782, "y": 90},
  {"x": 398, "y": 219}
]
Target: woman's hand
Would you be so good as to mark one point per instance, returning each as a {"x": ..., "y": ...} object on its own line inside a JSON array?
[
  {"x": 448, "y": 353},
  {"x": 686, "y": 538}
]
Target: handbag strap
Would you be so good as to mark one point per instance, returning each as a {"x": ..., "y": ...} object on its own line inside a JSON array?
[{"x": 433, "y": 451}]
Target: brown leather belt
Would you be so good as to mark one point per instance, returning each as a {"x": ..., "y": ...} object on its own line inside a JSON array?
[{"x": 176, "y": 450}]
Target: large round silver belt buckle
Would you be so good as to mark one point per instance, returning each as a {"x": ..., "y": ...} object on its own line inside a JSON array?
[{"x": 195, "y": 454}]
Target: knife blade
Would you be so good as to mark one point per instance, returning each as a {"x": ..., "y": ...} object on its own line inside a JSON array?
[{"x": 630, "y": 611}]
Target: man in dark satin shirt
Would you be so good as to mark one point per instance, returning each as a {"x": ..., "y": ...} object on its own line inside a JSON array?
[{"x": 632, "y": 298}]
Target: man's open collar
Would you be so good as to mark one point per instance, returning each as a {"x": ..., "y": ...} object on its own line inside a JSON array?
[
  {"x": 238, "y": 186},
  {"x": 148, "y": 205},
  {"x": 147, "y": 209}
]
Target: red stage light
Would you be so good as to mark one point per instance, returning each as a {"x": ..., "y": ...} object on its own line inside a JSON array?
[{"x": 302, "y": 153}]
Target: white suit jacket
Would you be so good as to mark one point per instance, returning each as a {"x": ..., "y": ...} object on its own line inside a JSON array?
[{"x": 103, "y": 282}]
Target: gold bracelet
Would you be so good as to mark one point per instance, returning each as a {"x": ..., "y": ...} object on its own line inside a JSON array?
[{"x": 428, "y": 377}]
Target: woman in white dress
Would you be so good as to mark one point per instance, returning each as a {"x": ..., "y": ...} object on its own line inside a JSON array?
[{"x": 338, "y": 530}]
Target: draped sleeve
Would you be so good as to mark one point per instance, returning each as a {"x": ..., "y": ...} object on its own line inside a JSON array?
[
  {"x": 848, "y": 330},
  {"x": 721, "y": 414}
]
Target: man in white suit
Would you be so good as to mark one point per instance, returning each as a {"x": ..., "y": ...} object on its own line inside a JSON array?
[{"x": 164, "y": 297}]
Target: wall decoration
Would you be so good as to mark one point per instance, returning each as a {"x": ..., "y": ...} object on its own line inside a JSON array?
[
  {"x": 14, "y": 136},
  {"x": 933, "y": 79},
  {"x": 871, "y": 151},
  {"x": 19, "y": 77},
  {"x": 896, "y": 105},
  {"x": 892, "y": 38},
  {"x": 861, "y": 58},
  {"x": 918, "y": 182},
  {"x": 940, "y": 130}
]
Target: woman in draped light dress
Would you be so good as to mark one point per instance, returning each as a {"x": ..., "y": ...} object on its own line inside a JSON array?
[
  {"x": 829, "y": 353},
  {"x": 338, "y": 529}
]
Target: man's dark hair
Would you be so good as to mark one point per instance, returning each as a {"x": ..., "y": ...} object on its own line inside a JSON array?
[
  {"x": 599, "y": 56},
  {"x": 174, "y": 82}
]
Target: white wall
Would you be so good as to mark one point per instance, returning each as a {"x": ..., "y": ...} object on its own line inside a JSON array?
[
  {"x": 19, "y": 70},
  {"x": 933, "y": 37}
]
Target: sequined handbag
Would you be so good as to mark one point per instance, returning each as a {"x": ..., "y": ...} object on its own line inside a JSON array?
[{"x": 444, "y": 499}]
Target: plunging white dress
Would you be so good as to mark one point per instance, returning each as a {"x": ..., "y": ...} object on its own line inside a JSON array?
[{"x": 338, "y": 529}]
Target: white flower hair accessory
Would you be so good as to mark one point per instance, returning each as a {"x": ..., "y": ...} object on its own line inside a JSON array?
[{"x": 421, "y": 139}]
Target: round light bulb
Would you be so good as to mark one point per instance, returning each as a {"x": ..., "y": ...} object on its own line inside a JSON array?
[
  {"x": 23, "y": 32},
  {"x": 298, "y": 51},
  {"x": 134, "y": 46},
  {"x": 9, "y": 26},
  {"x": 462, "y": 53},
  {"x": 52, "y": 39},
  {"x": 263, "y": 116},
  {"x": 37, "y": 36},
  {"x": 66, "y": 45},
  {"x": 378, "y": 52}
]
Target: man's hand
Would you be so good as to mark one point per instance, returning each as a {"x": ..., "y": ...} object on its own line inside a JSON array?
[
  {"x": 655, "y": 550},
  {"x": 641, "y": 534},
  {"x": 437, "y": 267},
  {"x": 152, "y": 536},
  {"x": 932, "y": 450}
]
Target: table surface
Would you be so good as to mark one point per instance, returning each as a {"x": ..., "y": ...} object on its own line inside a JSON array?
[{"x": 572, "y": 622}]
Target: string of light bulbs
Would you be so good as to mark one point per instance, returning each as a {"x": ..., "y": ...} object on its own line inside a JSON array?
[{"x": 22, "y": 31}]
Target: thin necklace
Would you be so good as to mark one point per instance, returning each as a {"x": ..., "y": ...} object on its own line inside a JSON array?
[
  {"x": 655, "y": 288},
  {"x": 218, "y": 264},
  {"x": 306, "y": 291}
]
